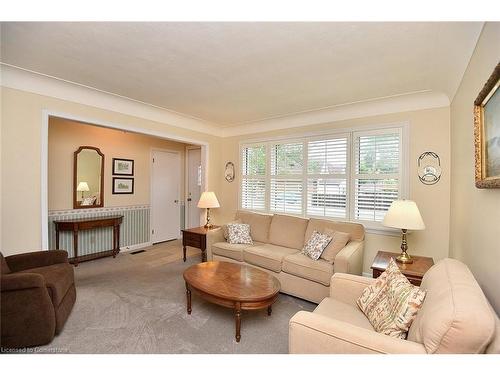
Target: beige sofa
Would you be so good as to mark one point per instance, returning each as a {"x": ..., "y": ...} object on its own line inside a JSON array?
[
  {"x": 455, "y": 318},
  {"x": 278, "y": 240}
]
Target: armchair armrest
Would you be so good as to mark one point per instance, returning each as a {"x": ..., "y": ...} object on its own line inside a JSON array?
[
  {"x": 20, "y": 262},
  {"x": 347, "y": 288},
  {"x": 213, "y": 236},
  {"x": 18, "y": 281},
  {"x": 311, "y": 333},
  {"x": 350, "y": 258}
]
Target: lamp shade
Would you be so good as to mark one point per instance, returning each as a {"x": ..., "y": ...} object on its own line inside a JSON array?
[
  {"x": 83, "y": 186},
  {"x": 404, "y": 214},
  {"x": 208, "y": 200}
]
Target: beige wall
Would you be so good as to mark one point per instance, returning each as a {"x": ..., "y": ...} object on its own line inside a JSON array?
[
  {"x": 21, "y": 159},
  {"x": 429, "y": 131},
  {"x": 475, "y": 213},
  {"x": 65, "y": 136}
]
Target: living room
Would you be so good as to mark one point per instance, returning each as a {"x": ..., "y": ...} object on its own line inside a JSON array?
[{"x": 323, "y": 179}]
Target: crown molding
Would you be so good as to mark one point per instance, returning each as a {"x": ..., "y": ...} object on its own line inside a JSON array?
[
  {"x": 381, "y": 106},
  {"x": 27, "y": 80}
]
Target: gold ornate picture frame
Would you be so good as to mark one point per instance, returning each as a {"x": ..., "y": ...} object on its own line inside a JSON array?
[{"x": 487, "y": 133}]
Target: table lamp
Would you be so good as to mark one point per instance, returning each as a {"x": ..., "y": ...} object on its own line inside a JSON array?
[
  {"x": 208, "y": 200},
  {"x": 83, "y": 186},
  {"x": 404, "y": 215}
]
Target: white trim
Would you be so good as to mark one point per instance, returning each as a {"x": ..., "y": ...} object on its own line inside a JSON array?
[
  {"x": 402, "y": 103},
  {"x": 42, "y": 84},
  {"x": 44, "y": 179},
  {"x": 26, "y": 80},
  {"x": 128, "y": 249},
  {"x": 151, "y": 178},
  {"x": 46, "y": 114},
  {"x": 186, "y": 184}
]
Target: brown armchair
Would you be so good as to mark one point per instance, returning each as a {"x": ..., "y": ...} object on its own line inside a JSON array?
[{"x": 37, "y": 295}]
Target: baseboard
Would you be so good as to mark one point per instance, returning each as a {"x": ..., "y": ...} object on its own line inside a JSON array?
[
  {"x": 368, "y": 274},
  {"x": 126, "y": 249}
]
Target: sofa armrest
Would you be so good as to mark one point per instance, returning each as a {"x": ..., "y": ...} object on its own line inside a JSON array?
[
  {"x": 18, "y": 281},
  {"x": 21, "y": 262},
  {"x": 311, "y": 333},
  {"x": 350, "y": 258},
  {"x": 213, "y": 236},
  {"x": 347, "y": 288}
]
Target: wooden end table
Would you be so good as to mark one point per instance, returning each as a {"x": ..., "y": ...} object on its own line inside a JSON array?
[
  {"x": 232, "y": 285},
  {"x": 414, "y": 272},
  {"x": 196, "y": 237}
]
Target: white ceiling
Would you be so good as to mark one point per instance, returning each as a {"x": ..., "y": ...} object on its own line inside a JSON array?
[{"x": 229, "y": 74}]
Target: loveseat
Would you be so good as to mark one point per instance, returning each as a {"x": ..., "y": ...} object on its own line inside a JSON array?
[
  {"x": 276, "y": 249},
  {"x": 455, "y": 318}
]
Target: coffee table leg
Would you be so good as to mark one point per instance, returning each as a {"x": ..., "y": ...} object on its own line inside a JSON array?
[
  {"x": 269, "y": 310},
  {"x": 237, "y": 315},
  {"x": 188, "y": 299}
]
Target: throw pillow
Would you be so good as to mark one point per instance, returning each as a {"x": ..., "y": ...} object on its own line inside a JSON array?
[
  {"x": 239, "y": 233},
  {"x": 392, "y": 303},
  {"x": 339, "y": 240},
  {"x": 316, "y": 244},
  {"x": 225, "y": 231}
]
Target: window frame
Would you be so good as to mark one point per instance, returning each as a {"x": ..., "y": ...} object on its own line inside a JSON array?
[{"x": 376, "y": 227}]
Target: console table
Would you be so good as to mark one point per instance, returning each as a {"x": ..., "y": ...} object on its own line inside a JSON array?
[{"x": 76, "y": 225}]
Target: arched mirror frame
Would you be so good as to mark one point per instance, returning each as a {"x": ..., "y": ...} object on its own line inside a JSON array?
[{"x": 75, "y": 177}]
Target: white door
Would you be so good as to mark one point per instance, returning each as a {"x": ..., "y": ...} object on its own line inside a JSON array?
[
  {"x": 194, "y": 187},
  {"x": 165, "y": 195}
]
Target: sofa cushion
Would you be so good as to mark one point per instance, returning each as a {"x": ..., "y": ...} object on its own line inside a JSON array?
[
  {"x": 315, "y": 245},
  {"x": 267, "y": 256},
  {"x": 239, "y": 234},
  {"x": 58, "y": 279},
  {"x": 228, "y": 250},
  {"x": 357, "y": 231},
  {"x": 225, "y": 231},
  {"x": 288, "y": 231},
  {"x": 338, "y": 242},
  {"x": 455, "y": 317},
  {"x": 4, "y": 266},
  {"x": 259, "y": 224},
  {"x": 301, "y": 265},
  {"x": 344, "y": 312}
]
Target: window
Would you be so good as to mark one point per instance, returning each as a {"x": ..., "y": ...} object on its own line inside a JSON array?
[
  {"x": 253, "y": 182},
  {"x": 287, "y": 164},
  {"x": 350, "y": 176},
  {"x": 376, "y": 174}
]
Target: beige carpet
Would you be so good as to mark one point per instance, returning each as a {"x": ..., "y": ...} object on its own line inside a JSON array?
[{"x": 136, "y": 304}]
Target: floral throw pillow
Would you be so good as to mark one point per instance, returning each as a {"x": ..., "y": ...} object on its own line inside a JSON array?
[
  {"x": 225, "y": 230},
  {"x": 239, "y": 233},
  {"x": 316, "y": 244},
  {"x": 392, "y": 303}
]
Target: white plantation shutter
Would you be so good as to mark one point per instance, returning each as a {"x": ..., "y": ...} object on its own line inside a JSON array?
[
  {"x": 327, "y": 177},
  {"x": 253, "y": 181},
  {"x": 287, "y": 164},
  {"x": 348, "y": 176},
  {"x": 376, "y": 173}
]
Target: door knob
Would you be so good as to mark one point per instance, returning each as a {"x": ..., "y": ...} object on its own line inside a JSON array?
[
  {"x": 176, "y": 201},
  {"x": 189, "y": 199}
]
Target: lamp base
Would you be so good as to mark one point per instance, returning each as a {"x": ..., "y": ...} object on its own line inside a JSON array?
[
  {"x": 404, "y": 258},
  {"x": 208, "y": 224}
]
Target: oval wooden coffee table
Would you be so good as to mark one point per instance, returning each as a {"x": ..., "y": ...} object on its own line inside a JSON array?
[{"x": 232, "y": 285}]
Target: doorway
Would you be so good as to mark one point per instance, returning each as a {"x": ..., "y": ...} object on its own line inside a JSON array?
[
  {"x": 165, "y": 195},
  {"x": 194, "y": 181}
]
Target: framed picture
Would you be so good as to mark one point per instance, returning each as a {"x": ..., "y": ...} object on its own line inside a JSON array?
[
  {"x": 123, "y": 185},
  {"x": 124, "y": 167},
  {"x": 487, "y": 133}
]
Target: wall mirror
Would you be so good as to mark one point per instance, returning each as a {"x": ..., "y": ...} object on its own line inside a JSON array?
[{"x": 88, "y": 178}]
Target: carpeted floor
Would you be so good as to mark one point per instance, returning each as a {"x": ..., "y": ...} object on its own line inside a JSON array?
[{"x": 136, "y": 304}]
